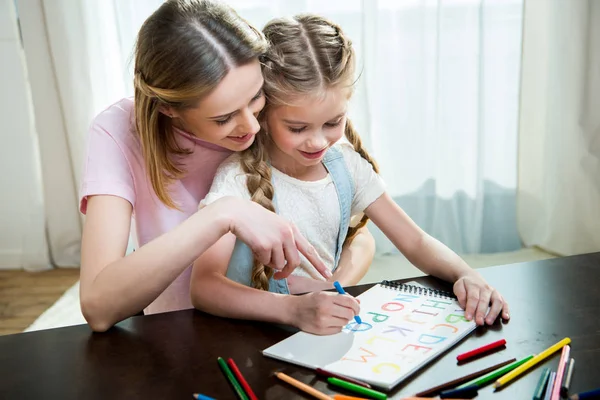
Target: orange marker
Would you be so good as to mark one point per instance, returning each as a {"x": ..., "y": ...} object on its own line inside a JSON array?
[{"x": 303, "y": 386}]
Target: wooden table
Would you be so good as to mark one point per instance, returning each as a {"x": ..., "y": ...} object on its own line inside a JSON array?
[{"x": 172, "y": 355}]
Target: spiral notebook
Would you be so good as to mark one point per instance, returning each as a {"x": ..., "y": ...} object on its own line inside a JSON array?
[{"x": 404, "y": 327}]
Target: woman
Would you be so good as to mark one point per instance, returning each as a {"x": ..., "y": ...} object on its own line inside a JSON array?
[{"x": 198, "y": 90}]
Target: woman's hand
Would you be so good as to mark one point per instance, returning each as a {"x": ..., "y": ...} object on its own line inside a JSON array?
[
  {"x": 475, "y": 296},
  {"x": 323, "y": 313},
  {"x": 275, "y": 241}
]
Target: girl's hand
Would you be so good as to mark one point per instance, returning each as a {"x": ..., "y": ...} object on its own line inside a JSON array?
[
  {"x": 475, "y": 296},
  {"x": 302, "y": 284},
  {"x": 323, "y": 313},
  {"x": 275, "y": 241}
]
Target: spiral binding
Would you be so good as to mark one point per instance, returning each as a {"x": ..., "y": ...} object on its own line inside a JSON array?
[{"x": 420, "y": 290}]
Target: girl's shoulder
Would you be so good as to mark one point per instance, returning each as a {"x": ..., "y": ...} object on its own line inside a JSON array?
[
  {"x": 351, "y": 157},
  {"x": 231, "y": 167}
]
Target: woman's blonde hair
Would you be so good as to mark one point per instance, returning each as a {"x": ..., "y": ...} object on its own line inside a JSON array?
[
  {"x": 183, "y": 50},
  {"x": 307, "y": 55}
]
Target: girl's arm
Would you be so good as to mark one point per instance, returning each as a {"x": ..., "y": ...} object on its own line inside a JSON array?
[
  {"x": 114, "y": 286},
  {"x": 211, "y": 291},
  {"x": 434, "y": 258},
  {"x": 356, "y": 258}
]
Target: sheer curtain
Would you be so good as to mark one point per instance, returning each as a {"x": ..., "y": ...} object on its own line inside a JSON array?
[
  {"x": 436, "y": 103},
  {"x": 559, "y": 142}
]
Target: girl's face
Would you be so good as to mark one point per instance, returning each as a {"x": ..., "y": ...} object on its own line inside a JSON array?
[
  {"x": 302, "y": 132},
  {"x": 227, "y": 115}
]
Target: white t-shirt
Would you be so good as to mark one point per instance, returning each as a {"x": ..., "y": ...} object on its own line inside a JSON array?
[{"x": 313, "y": 206}]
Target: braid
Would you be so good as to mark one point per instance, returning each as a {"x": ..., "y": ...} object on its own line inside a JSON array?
[
  {"x": 354, "y": 139},
  {"x": 258, "y": 180}
]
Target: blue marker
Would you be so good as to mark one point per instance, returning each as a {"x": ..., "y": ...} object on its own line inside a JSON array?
[
  {"x": 341, "y": 290},
  {"x": 199, "y": 396}
]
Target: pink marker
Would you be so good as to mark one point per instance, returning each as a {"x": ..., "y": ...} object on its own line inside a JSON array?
[{"x": 560, "y": 372}]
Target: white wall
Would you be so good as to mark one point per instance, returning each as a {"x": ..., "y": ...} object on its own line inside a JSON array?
[{"x": 22, "y": 224}]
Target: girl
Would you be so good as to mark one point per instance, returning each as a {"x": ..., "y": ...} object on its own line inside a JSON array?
[
  {"x": 298, "y": 168},
  {"x": 197, "y": 93}
]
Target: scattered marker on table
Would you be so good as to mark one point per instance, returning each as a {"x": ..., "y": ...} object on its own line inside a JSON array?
[
  {"x": 517, "y": 372},
  {"x": 231, "y": 378},
  {"x": 470, "y": 379},
  {"x": 341, "y": 290},
  {"x": 568, "y": 376},
  {"x": 540, "y": 389},
  {"x": 303, "y": 386},
  {"x": 328, "y": 374},
  {"x": 468, "y": 392},
  {"x": 238, "y": 374},
  {"x": 493, "y": 375},
  {"x": 550, "y": 385},
  {"x": 199, "y": 396},
  {"x": 562, "y": 365},
  {"x": 357, "y": 389},
  {"x": 481, "y": 350}
]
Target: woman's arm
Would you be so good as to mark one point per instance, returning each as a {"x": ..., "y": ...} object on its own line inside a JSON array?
[
  {"x": 434, "y": 258},
  {"x": 355, "y": 260},
  {"x": 211, "y": 291},
  {"x": 115, "y": 286}
]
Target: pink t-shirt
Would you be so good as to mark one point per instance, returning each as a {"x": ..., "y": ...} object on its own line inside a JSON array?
[{"x": 115, "y": 166}]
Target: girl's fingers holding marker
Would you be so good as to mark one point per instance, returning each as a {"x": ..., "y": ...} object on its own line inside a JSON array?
[
  {"x": 345, "y": 314},
  {"x": 348, "y": 302}
]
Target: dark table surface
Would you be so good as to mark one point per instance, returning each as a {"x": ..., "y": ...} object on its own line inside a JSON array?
[{"x": 172, "y": 355}]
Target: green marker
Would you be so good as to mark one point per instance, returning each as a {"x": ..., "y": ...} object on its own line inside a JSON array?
[
  {"x": 539, "y": 390},
  {"x": 357, "y": 389},
  {"x": 489, "y": 378},
  {"x": 229, "y": 375}
]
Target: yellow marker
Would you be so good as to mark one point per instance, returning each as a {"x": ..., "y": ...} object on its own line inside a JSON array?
[{"x": 540, "y": 357}]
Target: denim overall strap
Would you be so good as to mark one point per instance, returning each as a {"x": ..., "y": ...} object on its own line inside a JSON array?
[
  {"x": 277, "y": 285},
  {"x": 344, "y": 185},
  {"x": 242, "y": 261},
  {"x": 242, "y": 258}
]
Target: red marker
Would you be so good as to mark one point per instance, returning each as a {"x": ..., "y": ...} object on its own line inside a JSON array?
[
  {"x": 480, "y": 350},
  {"x": 241, "y": 379}
]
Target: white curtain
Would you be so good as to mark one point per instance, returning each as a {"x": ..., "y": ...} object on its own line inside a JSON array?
[
  {"x": 77, "y": 60},
  {"x": 559, "y": 141},
  {"x": 436, "y": 103}
]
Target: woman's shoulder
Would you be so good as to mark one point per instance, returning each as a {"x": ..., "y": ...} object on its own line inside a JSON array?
[{"x": 117, "y": 120}]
